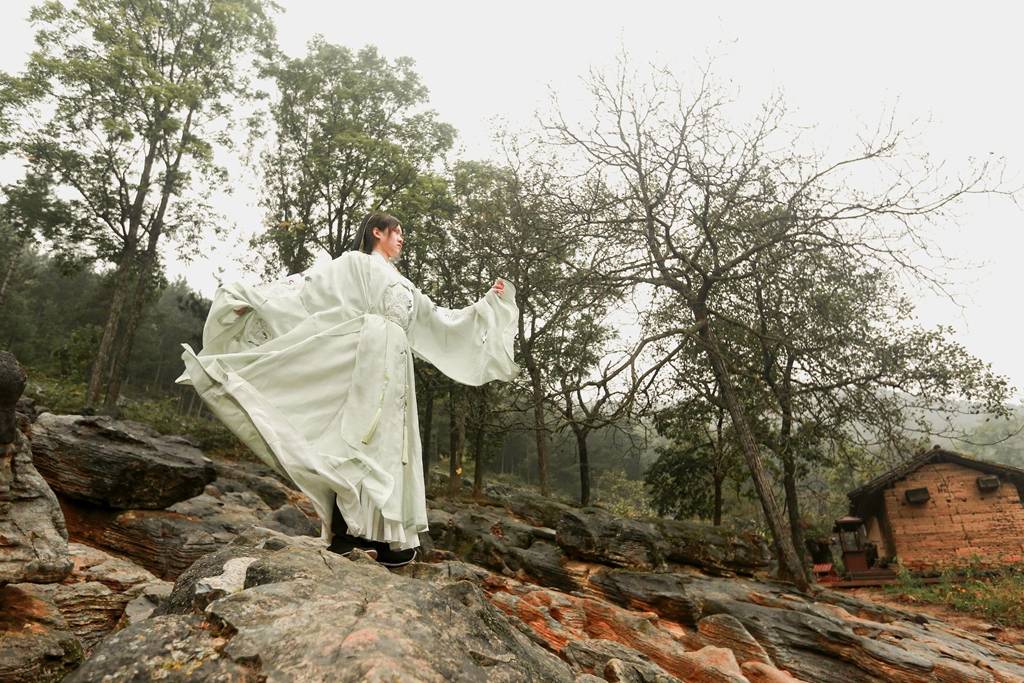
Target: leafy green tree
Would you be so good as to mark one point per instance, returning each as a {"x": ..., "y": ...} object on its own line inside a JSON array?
[
  {"x": 1001, "y": 441},
  {"x": 177, "y": 315},
  {"x": 120, "y": 110},
  {"x": 594, "y": 386},
  {"x": 700, "y": 457},
  {"x": 348, "y": 134},
  {"x": 525, "y": 236}
]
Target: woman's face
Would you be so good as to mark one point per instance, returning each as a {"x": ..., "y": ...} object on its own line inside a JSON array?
[{"x": 389, "y": 242}]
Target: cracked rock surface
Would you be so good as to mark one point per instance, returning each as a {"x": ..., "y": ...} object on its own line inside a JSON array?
[{"x": 306, "y": 614}]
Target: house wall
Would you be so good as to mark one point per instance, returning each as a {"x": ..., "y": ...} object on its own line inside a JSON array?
[{"x": 957, "y": 522}]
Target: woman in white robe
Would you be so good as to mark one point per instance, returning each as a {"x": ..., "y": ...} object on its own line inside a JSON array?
[{"x": 313, "y": 373}]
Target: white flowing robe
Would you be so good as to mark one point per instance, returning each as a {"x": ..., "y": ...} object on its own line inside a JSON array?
[{"x": 315, "y": 377}]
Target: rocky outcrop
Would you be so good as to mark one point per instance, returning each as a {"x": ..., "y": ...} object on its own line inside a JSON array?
[
  {"x": 93, "y": 598},
  {"x": 117, "y": 463},
  {"x": 239, "y": 476},
  {"x": 33, "y": 538},
  {"x": 156, "y": 499},
  {"x": 303, "y": 613},
  {"x": 512, "y": 587},
  {"x": 35, "y": 642},
  {"x": 167, "y": 541},
  {"x": 12, "y": 384},
  {"x": 522, "y": 534},
  {"x": 814, "y": 638},
  {"x": 36, "y": 645},
  {"x": 598, "y": 535},
  {"x": 594, "y": 580}
]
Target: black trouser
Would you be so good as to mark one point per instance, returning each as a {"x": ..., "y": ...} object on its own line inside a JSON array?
[{"x": 338, "y": 525}]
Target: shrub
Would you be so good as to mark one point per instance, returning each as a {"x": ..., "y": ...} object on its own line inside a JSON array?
[{"x": 995, "y": 594}]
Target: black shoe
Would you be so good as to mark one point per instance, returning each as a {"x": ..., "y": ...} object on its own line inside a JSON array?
[
  {"x": 343, "y": 543},
  {"x": 394, "y": 558}
]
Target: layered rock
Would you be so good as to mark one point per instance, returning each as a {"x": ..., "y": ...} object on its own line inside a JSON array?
[
  {"x": 595, "y": 580},
  {"x": 93, "y": 598},
  {"x": 598, "y": 535},
  {"x": 35, "y": 642},
  {"x": 117, "y": 463},
  {"x": 33, "y": 538},
  {"x": 36, "y": 645},
  {"x": 812, "y": 638},
  {"x": 167, "y": 541},
  {"x": 522, "y": 534},
  {"x": 156, "y": 499}
]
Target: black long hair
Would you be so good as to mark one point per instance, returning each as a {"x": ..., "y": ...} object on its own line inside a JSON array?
[{"x": 364, "y": 240}]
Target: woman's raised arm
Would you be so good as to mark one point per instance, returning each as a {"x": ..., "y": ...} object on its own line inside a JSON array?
[{"x": 472, "y": 345}]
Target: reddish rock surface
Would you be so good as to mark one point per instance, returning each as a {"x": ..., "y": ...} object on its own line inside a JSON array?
[
  {"x": 36, "y": 645},
  {"x": 93, "y": 598}
]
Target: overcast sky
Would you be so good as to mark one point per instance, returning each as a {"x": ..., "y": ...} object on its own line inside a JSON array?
[{"x": 952, "y": 71}]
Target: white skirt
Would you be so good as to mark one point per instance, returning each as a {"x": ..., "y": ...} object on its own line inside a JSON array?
[{"x": 331, "y": 406}]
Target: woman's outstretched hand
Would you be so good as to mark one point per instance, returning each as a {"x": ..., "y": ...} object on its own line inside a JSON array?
[{"x": 499, "y": 287}]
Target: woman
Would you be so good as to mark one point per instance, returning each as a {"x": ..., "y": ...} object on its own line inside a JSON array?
[{"x": 313, "y": 373}]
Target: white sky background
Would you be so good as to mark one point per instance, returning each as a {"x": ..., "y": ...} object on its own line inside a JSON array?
[{"x": 954, "y": 69}]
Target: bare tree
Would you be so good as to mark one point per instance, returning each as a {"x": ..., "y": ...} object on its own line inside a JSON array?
[{"x": 698, "y": 201}]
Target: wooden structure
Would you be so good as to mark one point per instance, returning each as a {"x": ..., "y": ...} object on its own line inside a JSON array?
[{"x": 943, "y": 509}]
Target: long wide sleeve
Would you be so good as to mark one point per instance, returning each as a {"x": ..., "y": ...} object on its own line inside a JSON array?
[{"x": 472, "y": 345}]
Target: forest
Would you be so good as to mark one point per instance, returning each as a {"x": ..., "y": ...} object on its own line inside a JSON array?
[{"x": 715, "y": 319}]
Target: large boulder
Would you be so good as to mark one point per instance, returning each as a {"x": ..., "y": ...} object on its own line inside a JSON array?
[
  {"x": 33, "y": 538},
  {"x": 117, "y": 463},
  {"x": 167, "y": 541},
  {"x": 307, "y": 614}
]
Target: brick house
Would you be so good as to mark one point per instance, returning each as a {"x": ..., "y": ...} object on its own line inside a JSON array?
[{"x": 942, "y": 508}]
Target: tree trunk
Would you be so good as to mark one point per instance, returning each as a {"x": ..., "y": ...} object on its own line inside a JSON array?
[
  {"x": 11, "y": 265},
  {"x": 126, "y": 338},
  {"x": 793, "y": 504},
  {"x": 788, "y": 459},
  {"x": 149, "y": 257},
  {"x": 478, "y": 461},
  {"x": 539, "y": 428},
  {"x": 100, "y": 366},
  {"x": 789, "y": 562},
  {"x": 584, "y": 459},
  {"x": 427, "y": 432},
  {"x": 456, "y": 439},
  {"x": 716, "y": 513}
]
